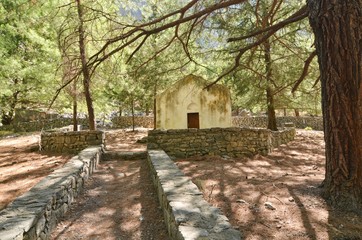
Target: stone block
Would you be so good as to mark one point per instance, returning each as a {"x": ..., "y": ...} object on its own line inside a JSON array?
[{"x": 40, "y": 225}]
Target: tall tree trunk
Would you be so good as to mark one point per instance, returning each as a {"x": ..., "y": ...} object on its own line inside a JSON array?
[
  {"x": 75, "y": 106},
  {"x": 296, "y": 112},
  {"x": 147, "y": 109},
  {"x": 133, "y": 120},
  {"x": 85, "y": 70},
  {"x": 154, "y": 105},
  {"x": 272, "y": 122},
  {"x": 337, "y": 25}
]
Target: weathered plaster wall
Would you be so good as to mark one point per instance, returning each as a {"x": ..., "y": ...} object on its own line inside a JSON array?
[
  {"x": 232, "y": 142},
  {"x": 189, "y": 96}
]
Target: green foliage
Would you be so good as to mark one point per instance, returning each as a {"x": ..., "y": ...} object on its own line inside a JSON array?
[
  {"x": 290, "y": 47},
  {"x": 39, "y": 53},
  {"x": 5, "y": 133},
  {"x": 28, "y": 56}
]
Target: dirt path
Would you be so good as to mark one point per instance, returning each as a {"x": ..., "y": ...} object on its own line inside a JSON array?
[{"x": 119, "y": 202}]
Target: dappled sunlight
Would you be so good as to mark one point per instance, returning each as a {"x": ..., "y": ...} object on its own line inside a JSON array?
[
  {"x": 19, "y": 141},
  {"x": 22, "y": 166},
  {"x": 268, "y": 197},
  {"x": 125, "y": 140},
  {"x": 114, "y": 205}
]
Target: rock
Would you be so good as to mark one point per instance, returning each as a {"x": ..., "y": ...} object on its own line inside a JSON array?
[
  {"x": 241, "y": 201},
  {"x": 142, "y": 140},
  {"x": 268, "y": 205},
  {"x": 291, "y": 199}
]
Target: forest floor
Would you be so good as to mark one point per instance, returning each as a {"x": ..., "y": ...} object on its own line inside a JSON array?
[{"x": 265, "y": 197}]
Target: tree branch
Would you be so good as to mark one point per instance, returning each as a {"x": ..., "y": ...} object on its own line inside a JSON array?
[
  {"x": 269, "y": 31},
  {"x": 96, "y": 59},
  {"x": 57, "y": 92},
  {"x": 299, "y": 15},
  {"x": 305, "y": 71}
]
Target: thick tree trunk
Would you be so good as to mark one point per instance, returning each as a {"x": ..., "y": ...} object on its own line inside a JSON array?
[
  {"x": 337, "y": 25},
  {"x": 85, "y": 70},
  {"x": 272, "y": 122}
]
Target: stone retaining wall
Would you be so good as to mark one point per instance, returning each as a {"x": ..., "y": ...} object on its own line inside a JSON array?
[
  {"x": 46, "y": 124},
  {"x": 127, "y": 122},
  {"x": 187, "y": 215},
  {"x": 316, "y": 123},
  {"x": 70, "y": 141},
  {"x": 281, "y": 137},
  {"x": 34, "y": 214},
  {"x": 232, "y": 142}
]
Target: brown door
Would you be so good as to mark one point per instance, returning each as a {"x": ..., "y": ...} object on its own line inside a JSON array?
[{"x": 193, "y": 120}]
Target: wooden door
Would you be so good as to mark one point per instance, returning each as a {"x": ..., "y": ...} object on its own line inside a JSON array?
[{"x": 193, "y": 120}]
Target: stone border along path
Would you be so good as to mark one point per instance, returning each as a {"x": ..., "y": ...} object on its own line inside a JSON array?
[
  {"x": 34, "y": 214},
  {"x": 187, "y": 215}
]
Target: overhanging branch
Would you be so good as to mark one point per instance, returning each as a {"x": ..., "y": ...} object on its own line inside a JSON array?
[
  {"x": 299, "y": 15},
  {"x": 305, "y": 71}
]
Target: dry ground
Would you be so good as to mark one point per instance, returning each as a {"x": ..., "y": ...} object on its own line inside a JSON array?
[
  {"x": 22, "y": 166},
  {"x": 275, "y": 196},
  {"x": 119, "y": 201}
]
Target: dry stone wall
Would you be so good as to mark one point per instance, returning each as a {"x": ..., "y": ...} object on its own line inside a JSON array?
[
  {"x": 187, "y": 215},
  {"x": 70, "y": 141},
  {"x": 34, "y": 214},
  {"x": 127, "y": 122},
  {"x": 281, "y": 137},
  {"x": 316, "y": 123},
  {"x": 46, "y": 124},
  {"x": 232, "y": 142}
]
